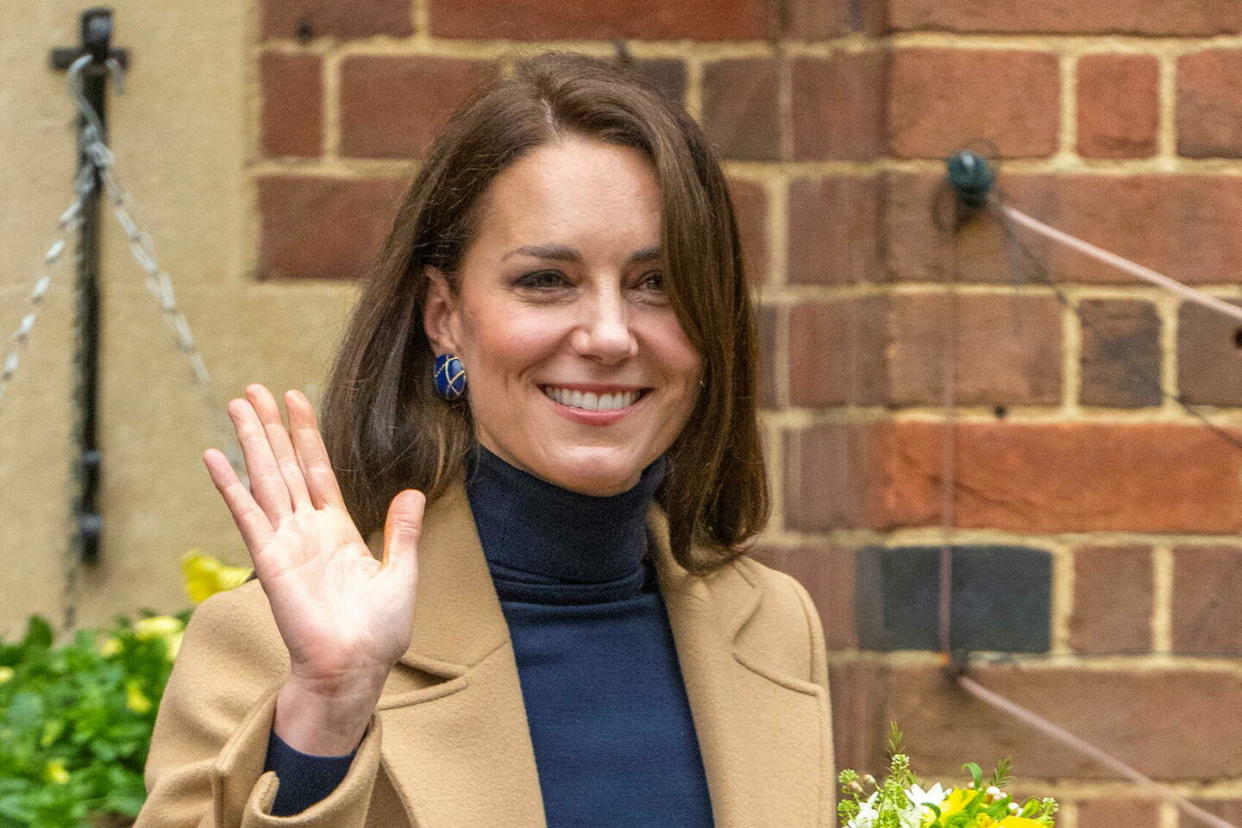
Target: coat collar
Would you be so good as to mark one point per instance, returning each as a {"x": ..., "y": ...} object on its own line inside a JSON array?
[{"x": 456, "y": 700}]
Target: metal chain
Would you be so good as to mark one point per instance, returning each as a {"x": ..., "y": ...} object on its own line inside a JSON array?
[
  {"x": 67, "y": 225},
  {"x": 142, "y": 249},
  {"x": 98, "y": 159}
]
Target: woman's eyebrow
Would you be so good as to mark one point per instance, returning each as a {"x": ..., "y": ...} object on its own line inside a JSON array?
[{"x": 564, "y": 253}]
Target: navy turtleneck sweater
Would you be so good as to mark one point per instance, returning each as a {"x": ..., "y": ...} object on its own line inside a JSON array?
[{"x": 609, "y": 720}]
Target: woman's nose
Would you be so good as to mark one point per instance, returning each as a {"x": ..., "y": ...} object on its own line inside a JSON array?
[{"x": 605, "y": 332}]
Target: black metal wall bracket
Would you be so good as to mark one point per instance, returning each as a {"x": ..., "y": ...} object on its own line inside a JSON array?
[{"x": 96, "y": 42}]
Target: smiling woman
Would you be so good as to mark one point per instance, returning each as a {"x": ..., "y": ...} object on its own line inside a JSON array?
[
  {"x": 580, "y": 370},
  {"x": 582, "y": 166},
  {"x": 557, "y": 356}
]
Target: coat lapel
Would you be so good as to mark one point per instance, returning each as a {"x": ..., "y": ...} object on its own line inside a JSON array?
[
  {"x": 457, "y": 746},
  {"x": 760, "y": 731}
]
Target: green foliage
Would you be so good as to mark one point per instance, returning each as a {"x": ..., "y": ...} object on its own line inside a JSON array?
[
  {"x": 76, "y": 719},
  {"x": 900, "y": 801}
]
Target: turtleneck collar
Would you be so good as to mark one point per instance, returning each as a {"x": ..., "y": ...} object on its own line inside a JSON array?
[{"x": 535, "y": 532}]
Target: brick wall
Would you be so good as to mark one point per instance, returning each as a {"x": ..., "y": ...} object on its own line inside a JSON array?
[{"x": 1116, "y": 121}]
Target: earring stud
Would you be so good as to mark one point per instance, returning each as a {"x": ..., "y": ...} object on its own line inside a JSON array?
[{"x": 450, "y": 376}]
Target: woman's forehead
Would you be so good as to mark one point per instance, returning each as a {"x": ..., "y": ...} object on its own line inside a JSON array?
[{"x": 570, "y": 192}]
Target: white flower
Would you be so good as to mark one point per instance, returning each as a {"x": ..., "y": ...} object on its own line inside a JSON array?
[
  {"x": 932, "y": 796},
  {"x": 921, "y": 798},
  {"x": 867, "y": 813},
  {"x": 909, "y": 817}
]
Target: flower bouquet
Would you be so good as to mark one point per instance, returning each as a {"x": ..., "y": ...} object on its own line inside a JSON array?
[{"x": 900, "y": 801}]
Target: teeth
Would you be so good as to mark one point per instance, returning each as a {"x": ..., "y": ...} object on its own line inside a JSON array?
[{"x": 590, "y": 401}]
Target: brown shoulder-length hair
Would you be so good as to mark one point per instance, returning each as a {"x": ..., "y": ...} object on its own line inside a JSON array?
[{"x": 385, "y": 427}]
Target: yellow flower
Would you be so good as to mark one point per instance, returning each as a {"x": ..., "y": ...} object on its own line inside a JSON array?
[
  {"x": 135, "y": 699},
  {"x": 55, "y": 772},
  {"x": 110, "y": 646},
  {"x": 6, "y": 675},
  {"x": 1019, "y": 822},
  {"x": 205, "y": 575},
  {"x": 956, "y": 801},
  {"x": 174, "y": 644},
  {"x": 157, "y": 626}
]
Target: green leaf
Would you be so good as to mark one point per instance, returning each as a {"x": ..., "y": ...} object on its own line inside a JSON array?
[
  {"x": 895, "y": 738},
  {"x": 52, "y": 728},
  {"x": 38, "y": 633},
  {"x": 976, "y": 774}
]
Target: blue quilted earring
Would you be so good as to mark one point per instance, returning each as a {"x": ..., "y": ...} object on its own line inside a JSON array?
[{"x": 450, "y": 376}]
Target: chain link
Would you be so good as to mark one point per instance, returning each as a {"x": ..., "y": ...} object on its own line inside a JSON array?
[{"x": 67, "y": 225}]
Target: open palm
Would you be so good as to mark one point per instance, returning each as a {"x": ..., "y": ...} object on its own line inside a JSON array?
[{"x": 343, "y": 615}]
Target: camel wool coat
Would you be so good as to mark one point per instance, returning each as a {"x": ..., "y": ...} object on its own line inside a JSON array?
[{"x": 449, "y": 746}]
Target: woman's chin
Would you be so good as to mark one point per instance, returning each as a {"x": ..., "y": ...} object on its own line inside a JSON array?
[{"x": 593, "y": 478}]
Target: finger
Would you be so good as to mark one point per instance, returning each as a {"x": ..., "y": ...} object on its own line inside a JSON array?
[
  {"x": 282, "y": 448},
  {"x": 312, "y": 453},
  {"x": 266, "y": 483},
  {"x": 402, "y": 530},
  {"x": 255, "y": 528}
]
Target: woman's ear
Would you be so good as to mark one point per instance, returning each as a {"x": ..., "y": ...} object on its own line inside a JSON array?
[{"x": 440, "y": 312}]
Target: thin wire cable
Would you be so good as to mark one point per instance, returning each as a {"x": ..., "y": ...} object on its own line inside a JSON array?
[
  {"x": 1134, "y": 269},
  {"x": 1060, "y": 734},
  {"x": 1007, "y": 214},
  {"x": 1015, "y": 245},
  {"x": 948, "y": 482}
]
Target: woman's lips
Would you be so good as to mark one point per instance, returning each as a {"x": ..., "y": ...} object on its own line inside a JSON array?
[{"x": 590, "y": 417}]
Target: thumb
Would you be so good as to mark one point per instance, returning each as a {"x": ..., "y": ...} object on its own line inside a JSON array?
[{"x": 403, "y": 528}]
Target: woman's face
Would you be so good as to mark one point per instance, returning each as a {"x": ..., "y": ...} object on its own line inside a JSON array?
[{"x": 577, "y": 368}]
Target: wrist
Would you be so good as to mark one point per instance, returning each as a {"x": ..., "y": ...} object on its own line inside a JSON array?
[{"x": 323, "y": 721}]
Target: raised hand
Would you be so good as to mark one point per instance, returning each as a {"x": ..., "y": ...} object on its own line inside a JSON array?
[{"x": 343, "y": 615}]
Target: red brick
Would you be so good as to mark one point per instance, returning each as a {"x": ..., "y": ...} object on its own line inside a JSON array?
[
  {"x": 1208, "y": 109},
  {"x": 740, "y": 108},
  {"x": 750, "y": 207},
  {"x": 1005, "y": 349},
  {"x": 667, "y": 75},
  {"x": 770, "y": 320},
  {"x": 941, "y": 99},
  {"x": 817, "y": 19},
  {"x": 836, "y": 352},
  {"x": 1118, "y": 106},
  {"x": 1229, "y": 810},
  {"x": 821, "y": 19},
  {"x": 1167, "y": 723},
  {"x": 859, "y": 710},
  {"x": 1209, "y": 356},
  {"x": 838, "y": 106},
  {"x": 292, "y": 119},
  {"x": 1118, "y": 813},
  {"x": 1181, "y": 225},
  {"x": 834, "y": 233},
  {"x": 393, "y": 107},
  {"x": 1207, "y": 600},
  {"x": 1120, "y": 353},
  {"x": 1142, "y": 17},
  {"x": 545, "y": 20},
  {"x": 306, "y": 19},
  {"x": 1020, "y": 477},
  {"x": 915, "y": 247},
  {"x": 828, "y": 575},
  {"x": 1045, "y": 478},
  {"x": 323, "y": 228},
  {"x": 1113, "y": 589},
  {"x": 834, "y": 476}
]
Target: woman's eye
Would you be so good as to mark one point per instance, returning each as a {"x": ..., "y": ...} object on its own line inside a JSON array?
[
  {"x": 542, "y": 280},
  {"x": 653, "y": 281}
]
